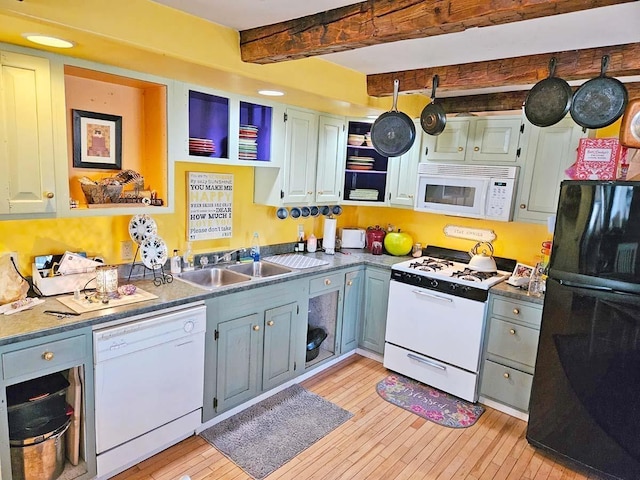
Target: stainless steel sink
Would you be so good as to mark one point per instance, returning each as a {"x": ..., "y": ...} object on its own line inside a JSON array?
[
  {"x": 211, "y": 278},
  {"x": 259, "y": 269}
]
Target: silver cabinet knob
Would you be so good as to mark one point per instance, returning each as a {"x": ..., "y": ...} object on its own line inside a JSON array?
[
  {"x": 505, "y": 374},
  {"x": 516, "y": 311},
  {"x": 256, "y": 327},
  {"x": 512, "y": 331}
]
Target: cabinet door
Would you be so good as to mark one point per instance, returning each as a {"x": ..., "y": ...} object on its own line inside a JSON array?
[
  {"x": 548, "y": 153},
  {"x": 238, "y": 347},
  {"x": 279, "y": 345},
  {"x": 403, "y": 174},
  {"x": 331, "y": 135},
  {"x": 374, "y": 321},
  {"x": 450, "y": 145},
  {"x": 495, "y": 140},
  {"x": 351, "y": 310},
  {"x": 300, "y": 156},
  {"x": 26, "y": 135}
]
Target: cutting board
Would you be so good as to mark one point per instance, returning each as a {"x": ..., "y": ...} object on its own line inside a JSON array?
[{"x": 74, "y": 398}]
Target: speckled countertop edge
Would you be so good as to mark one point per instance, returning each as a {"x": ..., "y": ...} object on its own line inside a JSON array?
[
  {"x": 34, "y": 323},
  {"x": 506, "y": 290}
]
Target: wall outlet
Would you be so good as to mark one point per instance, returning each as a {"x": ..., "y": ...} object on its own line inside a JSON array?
[{"x": 126, "y": 250}]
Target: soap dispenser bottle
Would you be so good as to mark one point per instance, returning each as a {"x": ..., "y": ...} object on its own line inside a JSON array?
[
  {"x": 255, "y": 247},
  {"x": 176, "y": 263}
]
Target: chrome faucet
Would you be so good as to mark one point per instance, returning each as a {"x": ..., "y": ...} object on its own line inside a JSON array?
[{"x": 226, "y": 258}]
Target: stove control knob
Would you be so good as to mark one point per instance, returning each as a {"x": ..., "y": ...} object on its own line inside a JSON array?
[{"x": 434, "y": 283}]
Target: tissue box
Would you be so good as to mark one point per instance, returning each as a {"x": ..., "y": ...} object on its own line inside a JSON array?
[{"x": 61, "y": 283}]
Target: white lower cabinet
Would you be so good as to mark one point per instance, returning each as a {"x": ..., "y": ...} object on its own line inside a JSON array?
[{"x": 513, "y": 328}]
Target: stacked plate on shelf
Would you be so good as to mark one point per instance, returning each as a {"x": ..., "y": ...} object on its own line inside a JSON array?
[
  {"x": 248, "y": 145},
  {"x": 201, "y": 146},
  {"x": 363, "y": 194},
  {"x": 359, "y": 163}
]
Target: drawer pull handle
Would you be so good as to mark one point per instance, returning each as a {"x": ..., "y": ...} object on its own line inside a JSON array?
[
  {"x": 512, "y": 331},
  {"x": 505, "y": 374},
  {"x": 327, "y": 281},
  {"x": 270, "y": 323},
  {"x": 256, "y": 327},
  {"x": 349, "y": 283},
  {"x": 426, "y": 362},
  {"x": 516, "y": 311},
  {"x": 48, "y": 356}
]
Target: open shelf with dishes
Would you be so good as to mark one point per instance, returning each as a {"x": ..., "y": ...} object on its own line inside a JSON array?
[
  {"x": 208, "y": 125},
  {"x": 365, "y": 173}
]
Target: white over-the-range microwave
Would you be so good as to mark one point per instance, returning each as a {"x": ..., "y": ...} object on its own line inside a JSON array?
[{"x": 476, "y": 191}]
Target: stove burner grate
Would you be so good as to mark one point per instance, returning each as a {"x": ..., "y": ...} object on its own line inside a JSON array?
[
  {"x": 430, "y": 264},
  {"x": 473, "y": 275}
]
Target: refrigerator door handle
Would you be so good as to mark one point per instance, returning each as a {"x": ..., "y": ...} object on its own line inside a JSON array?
[{"x": 568, "y": 283}]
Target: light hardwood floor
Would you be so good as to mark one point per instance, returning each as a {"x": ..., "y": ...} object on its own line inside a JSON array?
[{"x": 381, "y": 441}]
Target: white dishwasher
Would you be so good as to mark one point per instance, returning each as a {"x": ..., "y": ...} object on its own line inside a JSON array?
[{"x": 149, "y": 381}]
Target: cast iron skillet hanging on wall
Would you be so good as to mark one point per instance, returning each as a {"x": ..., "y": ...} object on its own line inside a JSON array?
[
  {"x": 393, "y": 132},
  {"x": 600, "y": 101},
  {"x": 433, "y": 118},
  {"x": 549, "y": 100}
]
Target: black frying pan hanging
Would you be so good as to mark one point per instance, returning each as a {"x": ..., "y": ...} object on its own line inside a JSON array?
[
  {"x": 393, "y": 132},
  {"x": 600, "y": 101},
  {"x": 549, "y": 100},
  {"x": 433, "y": 118}
]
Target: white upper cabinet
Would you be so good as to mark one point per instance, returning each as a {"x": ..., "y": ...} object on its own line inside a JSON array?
[
  {"x": 548, "y": 153},
  {"x": 487, "y": 140},
  {"x": 300, "y": 153},
  {"x": 331, "y": 141},
  {"x": 27, "y": 184},
  {"x": 403, "y": 174}
]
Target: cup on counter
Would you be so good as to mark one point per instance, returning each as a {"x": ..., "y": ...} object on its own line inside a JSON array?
[{"x": 376, "y": 248}]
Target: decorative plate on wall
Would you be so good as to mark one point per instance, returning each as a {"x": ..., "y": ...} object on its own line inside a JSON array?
[
  {"x": 141, "y": 227},
  {"x": 154, "y": 252}
]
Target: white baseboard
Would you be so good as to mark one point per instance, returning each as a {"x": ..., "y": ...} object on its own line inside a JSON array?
[
  {"x": 504, "y": 408},
  {"x": 373, "y": 356}
]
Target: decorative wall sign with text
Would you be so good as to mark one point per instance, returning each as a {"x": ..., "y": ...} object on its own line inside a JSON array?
[
  {"x": 468, "y": 233},
  {"x": 209, "y": 205}
]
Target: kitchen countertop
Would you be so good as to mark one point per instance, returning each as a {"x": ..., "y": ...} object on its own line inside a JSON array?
[
  {"x": 35, "y": 323},
  {"x": 506, "y": 290}
]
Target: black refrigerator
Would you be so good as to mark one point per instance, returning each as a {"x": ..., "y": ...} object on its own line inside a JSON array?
[{"x": 585, "y": 399}]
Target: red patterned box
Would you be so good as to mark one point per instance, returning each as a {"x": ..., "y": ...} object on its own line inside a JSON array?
[{"x": 598, "y": 159}]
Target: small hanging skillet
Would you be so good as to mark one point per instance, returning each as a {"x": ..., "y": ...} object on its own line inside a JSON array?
[
  {"x": 600, "y": 101},
  {"x": 549, "y": 100},
  {"x": 393, "y": 132},
  {"x": 433, "y": 118}
]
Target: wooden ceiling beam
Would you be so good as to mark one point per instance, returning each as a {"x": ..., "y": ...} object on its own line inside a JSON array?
[
  {"x": 375, "y": 22},
  {"x": 519, "y": 71},
  {"x": 495, "y": 102}
]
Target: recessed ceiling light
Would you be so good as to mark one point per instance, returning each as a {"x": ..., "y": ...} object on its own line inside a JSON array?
[
  {"x": 48, "y": 40},
  {"x": 271, "y": 93}
]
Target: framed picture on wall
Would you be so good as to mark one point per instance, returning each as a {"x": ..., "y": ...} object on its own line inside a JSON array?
[{"x": 97, "y": 140}]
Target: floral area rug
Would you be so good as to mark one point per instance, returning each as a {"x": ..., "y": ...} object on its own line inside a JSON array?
[{"x": 429, "y": 402}]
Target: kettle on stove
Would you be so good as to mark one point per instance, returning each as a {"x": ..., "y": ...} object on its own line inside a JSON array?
[
  {"x": 374, "y": 234},
  {"x": 481, "y": 260}
]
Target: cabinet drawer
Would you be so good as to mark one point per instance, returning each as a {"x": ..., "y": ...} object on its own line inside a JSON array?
[
  {"x": 517, "y": 311},
  {"x": 325, "y": 282},
  {"x": 506, "y": 385},
  {"x": 513, "y": 341},
  {"x": 33, "y": 359}
]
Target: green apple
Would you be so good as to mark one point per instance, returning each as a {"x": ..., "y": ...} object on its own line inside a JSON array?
[{"x": 398, "y": 243}]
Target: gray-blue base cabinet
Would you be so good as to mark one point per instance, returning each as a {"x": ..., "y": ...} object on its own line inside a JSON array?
[
  {"x": 66, "y": 353},
  {"x": 513, "y": 328},
  {"x": 352, "y": 310},
  {"x": 374, "y": 316},
  {"x": 255, "y": 341}
]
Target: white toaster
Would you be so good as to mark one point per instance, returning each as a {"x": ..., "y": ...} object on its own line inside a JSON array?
[{"x": 352, "y": 237}]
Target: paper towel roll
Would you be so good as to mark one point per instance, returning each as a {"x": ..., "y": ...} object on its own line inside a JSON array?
[{"x": 329, "y": 236}]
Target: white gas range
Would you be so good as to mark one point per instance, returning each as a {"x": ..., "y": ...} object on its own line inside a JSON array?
[{"x": 435, "y": 319}]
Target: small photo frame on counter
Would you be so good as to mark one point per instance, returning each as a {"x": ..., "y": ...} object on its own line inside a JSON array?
[
  {"x": 97, "y": 140},
  {"x": 521, "y": 275}
]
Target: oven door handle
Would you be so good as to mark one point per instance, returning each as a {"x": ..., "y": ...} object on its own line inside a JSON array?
[
  {"x": 425, "y": 361},
  {"x": 431, "y": 295}
]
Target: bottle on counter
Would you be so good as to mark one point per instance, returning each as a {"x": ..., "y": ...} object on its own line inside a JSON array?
[
  {"x": 187, "y": 258},
  {"x": 255, "y": 247},
  {"x": 312, "y": 243},
  {"x": 176, "y": 262}
]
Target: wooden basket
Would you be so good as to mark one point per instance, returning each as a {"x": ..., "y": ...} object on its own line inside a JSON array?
[{"x": 101, "y": 193}]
